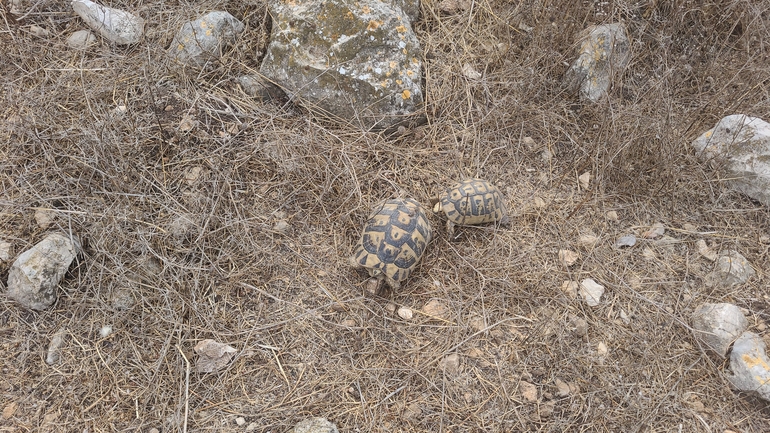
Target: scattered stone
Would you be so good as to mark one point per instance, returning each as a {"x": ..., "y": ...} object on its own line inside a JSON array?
[
  {"x": 390, "y": 307},
  {"x": 591, "y": 291},
  {"x": 5, "y": 251},
  {"x": 437, "y": 309},
  {"x": 563, "y": 389},
  {"x": 601, "y": 349},
  {"x": 154, "y": 430},
  {"x": 529, "y": 142},
  {"x": 348, "y": 323},
  {"x": 625, "y": 317},
  {"x": 54, "y": 348},
  {"x": 81, "y": 40},
  {"x": 528, "y": 391},
  {"x": 192, "y": 175},
  {"x": 122, "y": 298},
  {"x": 240, "y": 420},
  {"x": 612, "y": 215},
  {"x": 16, "y": 7},
  {"x": 625, "y": 241},
  {"x": 706, "y": 251},
  {"x": 252, "y": 427},
  {"x": 718, "y": 325},
  {"x": 353, "y": 61},
  {"x": 570, "y": 288},
  {"x": 579, "y": 326},
  {"x": 315, "y": 425},
  {"x": 648, "y": 253},
  {"x": 188, "y": 122},
  {"x": 750, "y": 365},
  {"x": 281, "y": 226},
  {"x": 405, "y": 313},
  {"x": 212, "y": 355},
  {"x": 568, "y": 257},
  {"x": 584, "y": 180},
  {"x": 470, "y": 72},
  {"x": 740, "y": 145},
  {"x": 33, "y": 277},
  {"x": 39, "y": 31},
  {"x": 10, "y": 409},
  {"x": 690, "y": 227},
  {"x": 477, "y": 323},
  {"x": 588, "y": 240},
  {"x": 115, "y": 25},
  {"x": 731, "y": 269},
  {"x": 105, "y": 331},
  {"x": 258, "y": 87},
  {"x": 204, "y": 39},
  {"x": 44, "y": 218},
  {"x": 450, "y": 363},
  {"x": 657, "y": 230},
  {"x": 478, "y": 355},
  {"x": 546, "y": 409},
  {"x": 451, "y": 7},
  {"x": 604, "y": 53}
]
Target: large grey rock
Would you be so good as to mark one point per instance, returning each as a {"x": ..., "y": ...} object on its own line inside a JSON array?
[
  {"x": 604, "y": 53},
  {"x": 718, "y": 325},
  {"x": 33, "y": 277},
  {"x": 740, "y": 145},
  {"x": 202, "y": 40},
  {"x": 352, "y": 60},
  {"x": 115, "y": 25},
  {"x": 315, "y": 425},
  {"x": 750, "y": 365}
]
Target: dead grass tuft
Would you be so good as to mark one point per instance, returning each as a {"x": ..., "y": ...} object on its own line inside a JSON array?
[{"x": 177, "y": 196}]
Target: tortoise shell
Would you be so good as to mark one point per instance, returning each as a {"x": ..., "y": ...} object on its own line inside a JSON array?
[
  {"x": 472, "y": 201},
  {"x": 393, "y": 240}
]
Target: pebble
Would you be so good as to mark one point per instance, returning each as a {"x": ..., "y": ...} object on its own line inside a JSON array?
[
  {"x": 588, "y": 239},
  {"x": 203, "y": 40},
  {"x": 657, "y": 230},
  {"x": 529, "y": 142},
  {"x": 240, "y": 420},
  {"x": 612, "y": 215},
  {"x": 281, "y": 226},
  {"x": 601, "y": 349},
  {"x": 570, "y": 288},
  {"x": 57, "y": 341},
  {"x": 563, "y": 389},
  {"x": 718, "y": 325},
  {"x": 39, "y": 31},
  {"x": 252, "y": 427},
  {"x": 315, "y": 425},
  {"x": 528, "y": 391},
  {"x": 626, "y": 241},
  {"x": 5, "y": 251},
  {"x": 405, "y": 313},
  {"x": 450, "y": 363},
  {"x": 81, "y": 40},
  {"x": 437, "y": 309},
  {"x": 568, "y": 257},
  {"x": 706, "y": 251},
  {"x": 105, "y": 331},
  {"x": 731, "y": 269},
  {"x": 585, "y": 180},
  {"x": 591, "y": 291},
  {"x": 44, "y": 218}
]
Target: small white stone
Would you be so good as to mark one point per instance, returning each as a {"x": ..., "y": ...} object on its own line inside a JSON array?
[
  {"x": 451, "y": 363},
  {"x": 570, "y": 288},
  {"x": 39, "y": 31},
  {"x": 281, "y": 226},
  {"x": 5, "y": 251},
  {"x": 81, "y": 40},
  {"x": 591, "y": 291},
  {"x": 529, "y": 142},
  {"x": 44, "y": 218},
  {"x": 57, "y": 341},
  {"x": 657, "y": 230},
  {"x": 612, "y": 215},
  {"x": 105, "y": 331},
  {"x": 705, "y": 251},
  {"x": 240, "y": 420},
  {"x": 601, "y": 349},
  {"x": 252, "y": 427},
  {"x": 585, "y": 180},
  {"x": 718, "y": 325},
  {"x": 588, "y": 240},
  {"x": 568, "y": 257},
  {"x": 405, "y": 313}
]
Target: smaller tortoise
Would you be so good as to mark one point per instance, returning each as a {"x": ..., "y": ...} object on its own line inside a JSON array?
[
  {"x": 472, "y": 201},
  {"x": 393, "y": 240}
]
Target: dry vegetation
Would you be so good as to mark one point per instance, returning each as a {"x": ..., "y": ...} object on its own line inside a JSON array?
[{"x": 200, "y": 258}]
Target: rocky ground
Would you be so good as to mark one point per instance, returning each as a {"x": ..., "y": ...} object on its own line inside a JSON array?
[{"x": 212, "y": 292}]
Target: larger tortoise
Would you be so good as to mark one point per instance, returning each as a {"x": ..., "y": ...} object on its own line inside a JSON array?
[
  {"x": 472, "y": 201},
  {"x": 393, "y": 240}
]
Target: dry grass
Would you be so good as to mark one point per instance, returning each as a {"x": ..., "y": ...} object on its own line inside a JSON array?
[{"x": 201, "y": 258}]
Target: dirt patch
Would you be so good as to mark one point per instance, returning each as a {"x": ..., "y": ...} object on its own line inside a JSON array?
[{"x": 177, "y": 198}]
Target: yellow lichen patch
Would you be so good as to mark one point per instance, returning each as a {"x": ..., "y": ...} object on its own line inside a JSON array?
[
  {"x": 399, "y": 82},
  {"x": 414, "y": 60},
  {"x": 709, "y": 133},
  {"x": 384, "y": 83},
  {"x": 204, "y": 24},
  {"x": 409, "y": 73},
  {"x": 753, "y": 361},
  {"x": 366, "y": 9},
  {"x": 406, "y": 94},
  {"x": 373, "y": 24},
  {"x": 393, "y": 65},
  {"x": 208, "y": 32},
  {"x": 401, "y": 28}
]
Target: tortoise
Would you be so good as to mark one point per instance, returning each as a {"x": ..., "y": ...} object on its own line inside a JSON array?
[
  {"x": 393, "y": 240},
  {"x": 472, "y": 201}
]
